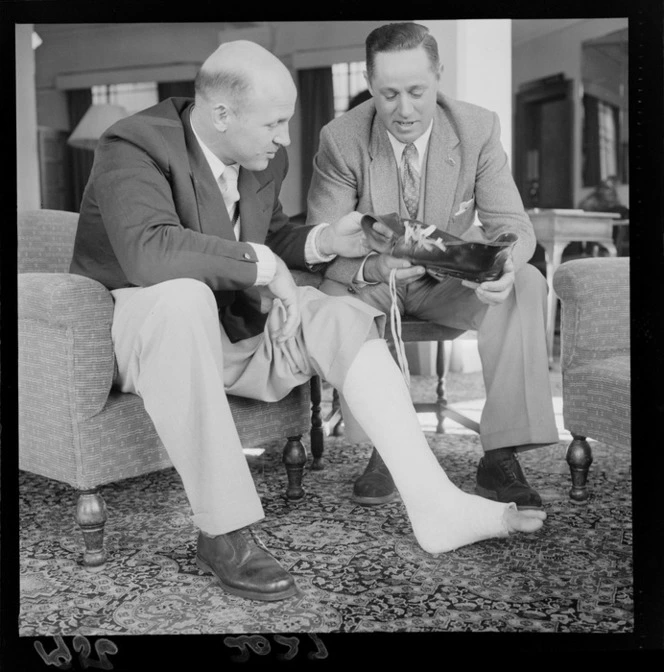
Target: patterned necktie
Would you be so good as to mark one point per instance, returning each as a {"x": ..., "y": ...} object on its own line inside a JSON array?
[
  {"x": 228, "y": 186},
  {"x": 410, "y": 179}
]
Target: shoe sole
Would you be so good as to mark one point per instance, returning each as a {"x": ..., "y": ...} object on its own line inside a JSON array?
[
  {"x": 374, "y": 501},
  {"x": 491, "y": 494},
  {"x": 249, "y": 594}
]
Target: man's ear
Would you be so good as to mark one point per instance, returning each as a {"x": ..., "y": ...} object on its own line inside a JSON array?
[
  {"x": 221, "y": 116},
  {"x": 367, "y": 80}
]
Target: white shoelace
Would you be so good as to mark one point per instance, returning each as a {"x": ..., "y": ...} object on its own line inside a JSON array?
[{"x": 395, "y": 326}]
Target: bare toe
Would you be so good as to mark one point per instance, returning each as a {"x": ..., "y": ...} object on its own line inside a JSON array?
[
  {"x": 533, "y": 513},
  {"x": 524, "y": 521}
]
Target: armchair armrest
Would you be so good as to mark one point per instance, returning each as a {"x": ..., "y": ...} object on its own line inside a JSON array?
[
  {"x": 594, "y": 294},
  {"x": 65, "y": 339}
]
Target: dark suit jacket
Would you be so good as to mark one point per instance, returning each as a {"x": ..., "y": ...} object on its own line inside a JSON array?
[{"x": 152, "y": 211}]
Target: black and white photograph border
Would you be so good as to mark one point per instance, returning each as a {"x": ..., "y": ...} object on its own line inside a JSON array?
[{"x": 590, "y": 580}]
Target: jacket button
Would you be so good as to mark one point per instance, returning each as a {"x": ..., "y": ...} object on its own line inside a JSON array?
[{"x": 247, "y": 255}]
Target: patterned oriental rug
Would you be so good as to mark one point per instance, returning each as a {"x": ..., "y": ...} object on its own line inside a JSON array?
[{"x": 359, "y": 569}]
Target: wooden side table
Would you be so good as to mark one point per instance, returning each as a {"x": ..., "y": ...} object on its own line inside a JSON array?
[{"x": 554, "y": 230}]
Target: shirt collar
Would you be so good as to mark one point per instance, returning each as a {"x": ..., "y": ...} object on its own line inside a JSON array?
[
  {"x": 216, "y": 164},
  {"x": 421, "y": 144}
]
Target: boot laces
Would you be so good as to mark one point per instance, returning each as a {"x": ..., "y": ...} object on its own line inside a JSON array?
[{"x": 509, "y": 467}]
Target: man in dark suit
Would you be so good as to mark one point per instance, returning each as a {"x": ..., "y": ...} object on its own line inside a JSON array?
[
  {"x": 411, "y": 138},
  {"x": 181, "y": 220}
]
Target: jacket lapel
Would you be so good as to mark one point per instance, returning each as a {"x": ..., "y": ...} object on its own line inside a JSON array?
[
  {"x": 442, "y": 172},
  {"x": 212, "y": 213},
  {"x": 383, "y": 171},
  {"x": 256, "y": 200}
]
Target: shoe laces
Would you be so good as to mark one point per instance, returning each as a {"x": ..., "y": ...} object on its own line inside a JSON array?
[
  {"x": 395, "y": 326},
  {"x": 509, "y": 467},
  {"x": 251, "y": 537}
]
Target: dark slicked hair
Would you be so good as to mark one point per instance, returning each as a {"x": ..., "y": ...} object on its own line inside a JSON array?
[
  {"x": 208, "y": 84},
  {"x": 400, "y": 37}
]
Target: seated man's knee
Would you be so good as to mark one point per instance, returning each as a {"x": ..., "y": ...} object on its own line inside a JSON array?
[
  {"x": 186, "y": 299},
  {"x": 529, "y": 278}
]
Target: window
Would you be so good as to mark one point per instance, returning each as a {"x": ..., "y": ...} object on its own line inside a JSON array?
[
  {"x": 133, "y": 97},
  {"x": 608, "y": 140},
  {"x": 347, "y": 81},
  {"x": 602, "y": 153}
]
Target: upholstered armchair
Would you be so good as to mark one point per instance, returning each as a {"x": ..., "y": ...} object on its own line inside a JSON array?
[
  {"x": 74, "y": 426},
  {"x": 595, "y": 359}
]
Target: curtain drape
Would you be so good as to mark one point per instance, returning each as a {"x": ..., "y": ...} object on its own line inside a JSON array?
[
  {"x": 591, "y": 163},
  {"x": 317, "y": 108},
  {"x": 181, "y": 89},
  {"x": 78, "y": 100}
]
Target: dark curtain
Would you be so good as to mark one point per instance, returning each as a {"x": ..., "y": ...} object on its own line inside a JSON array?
[
  {"x": 317, "y": 108},
  {"x": 182, "y": 89},
  {"x": 590, "y": 169},
  {"x": 80, "y": 160}
]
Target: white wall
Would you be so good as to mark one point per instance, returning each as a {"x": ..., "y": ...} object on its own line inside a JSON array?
[
  {"x": 27, "y": 158},
  {"x": 484, "y": 67},
  {"x": 476, "y": 55},
  {"x": 560, "y": 51}
]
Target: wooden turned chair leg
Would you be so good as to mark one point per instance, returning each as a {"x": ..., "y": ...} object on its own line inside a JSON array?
[
  {"x": 91, "y": 518},
  {"x": 579, "y": 457},
  {"x": 441, "y": 399},
  {"x": 294, "y": 458},
  {"x": 317, "y": 435}
]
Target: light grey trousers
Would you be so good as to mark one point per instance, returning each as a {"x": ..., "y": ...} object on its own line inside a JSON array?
[
  {"x": 172, "y": 351},
  {"x": 511, "y": 341}
]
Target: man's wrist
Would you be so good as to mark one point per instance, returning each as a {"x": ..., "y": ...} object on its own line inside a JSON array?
[
  {"x": 369, "y": 267},
  {"x": 266, "y": 264},
  {"x": 312, "y": 250},
  {"x": 360, "y": 279},
  {"x": 324, "y": 241}
]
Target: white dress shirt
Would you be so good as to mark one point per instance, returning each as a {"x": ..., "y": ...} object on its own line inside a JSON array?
[{"x": 421, "y": 144}]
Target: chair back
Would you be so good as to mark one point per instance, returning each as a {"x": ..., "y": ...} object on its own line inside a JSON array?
[{"x": 45, "y": 240}]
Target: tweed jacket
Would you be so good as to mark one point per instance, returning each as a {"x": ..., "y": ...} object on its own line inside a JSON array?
[
  {"x": 467, "y": 173},
  {"x": 152, "y": 211}
]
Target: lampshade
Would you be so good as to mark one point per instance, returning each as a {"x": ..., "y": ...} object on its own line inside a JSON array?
[{"x": 94, "y": 122}]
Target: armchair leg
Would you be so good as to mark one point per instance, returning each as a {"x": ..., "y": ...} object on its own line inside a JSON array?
[
  {"x": 579, "y": 457},
  {"x": 317, "y": 434},
  {"x": 441, "y": 400},
  {"x": 294, "y": 458},
  {"x": 91, "y": 518}
]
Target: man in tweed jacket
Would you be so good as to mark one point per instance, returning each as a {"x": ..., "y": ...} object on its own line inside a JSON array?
[{"x": 464, "y": 176}]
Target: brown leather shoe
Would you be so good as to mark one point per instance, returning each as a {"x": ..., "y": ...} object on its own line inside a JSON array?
[
  {"x": 243, "y": 567},
  {"x": 440, "y": 252},
  {"x": 375, "y": 486}
]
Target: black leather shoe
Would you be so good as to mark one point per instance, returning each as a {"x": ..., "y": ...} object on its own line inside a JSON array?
[
  {"x": 500, "y": 477},
  {"x": 440, "y": 252},
  {"x": 243, "y": 567},
  {"x": 375, "y": 486}
]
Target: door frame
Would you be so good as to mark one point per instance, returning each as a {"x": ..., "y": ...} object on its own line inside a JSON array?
[{"x": 533, "y": 93}]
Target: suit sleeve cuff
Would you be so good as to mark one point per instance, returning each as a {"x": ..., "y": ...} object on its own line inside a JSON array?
[
  {"x": 266, "y": 266},
  {"x": 311, "y": 253},
  {"x": 359, "y": 280}
]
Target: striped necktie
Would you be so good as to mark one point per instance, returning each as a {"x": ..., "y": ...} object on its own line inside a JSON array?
[
  {"x": 228, "y": 185},
  {"x": 410, "y": 179}
]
